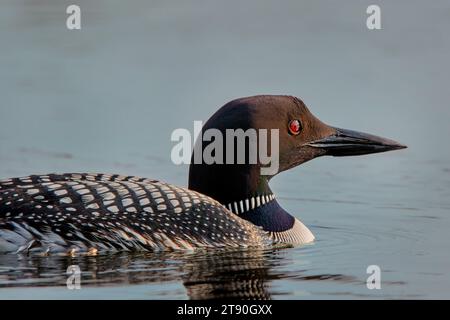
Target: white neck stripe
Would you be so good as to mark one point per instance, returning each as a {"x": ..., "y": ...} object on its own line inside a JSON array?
[{"x": 240, "y": 207}]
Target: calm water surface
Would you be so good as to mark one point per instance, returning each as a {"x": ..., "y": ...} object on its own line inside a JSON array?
[{"x": 106, "y": 99}]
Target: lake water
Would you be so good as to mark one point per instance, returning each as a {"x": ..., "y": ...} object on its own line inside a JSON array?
[{"x": 107, "y": 97}]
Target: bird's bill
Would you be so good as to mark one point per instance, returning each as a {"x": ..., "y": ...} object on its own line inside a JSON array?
[{"x": 353, "y": 143}]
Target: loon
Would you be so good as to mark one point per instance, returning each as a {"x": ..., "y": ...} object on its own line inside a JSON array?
[{"x": 224, "y": 206}]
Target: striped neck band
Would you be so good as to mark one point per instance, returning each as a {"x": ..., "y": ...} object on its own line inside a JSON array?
[{"x": 242, "y": 206}]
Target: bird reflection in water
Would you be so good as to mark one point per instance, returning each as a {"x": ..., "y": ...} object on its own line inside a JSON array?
[{"x": 215, "y": 274}]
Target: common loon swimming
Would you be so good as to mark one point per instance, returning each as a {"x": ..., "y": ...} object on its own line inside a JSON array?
[{"x": 226, "y": 205}]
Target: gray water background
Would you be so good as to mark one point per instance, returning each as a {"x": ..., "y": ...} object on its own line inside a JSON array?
[{"x": 107, "y": 97}]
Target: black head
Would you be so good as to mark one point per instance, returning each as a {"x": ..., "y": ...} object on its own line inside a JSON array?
[{"x": 302, "y": 137}]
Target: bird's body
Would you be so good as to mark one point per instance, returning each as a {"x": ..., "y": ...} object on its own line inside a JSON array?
[
  {"x": 95, "y": 212},
  {"x": 225, "y": 205}
]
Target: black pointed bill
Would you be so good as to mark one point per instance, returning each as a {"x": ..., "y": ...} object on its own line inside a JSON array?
[{"x": 352, "y": 143}]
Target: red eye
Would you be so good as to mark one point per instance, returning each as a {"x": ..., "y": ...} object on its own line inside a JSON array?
[{"x": 295, "y": 127}]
